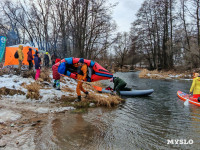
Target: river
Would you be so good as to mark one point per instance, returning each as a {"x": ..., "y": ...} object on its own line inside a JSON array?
[{"x": 152, "y": 122}]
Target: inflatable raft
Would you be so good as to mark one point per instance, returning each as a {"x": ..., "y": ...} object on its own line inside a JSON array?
[
  {"x": 184, "y": 96},
  {"x": 95, "y": 72},
  {"x": 128, "y": 92}
]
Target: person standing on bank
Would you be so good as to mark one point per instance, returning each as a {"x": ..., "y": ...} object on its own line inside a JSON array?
[
  {"x": 56, "y": 75},
  {"x": 21, "y": 56},
  {"x": 46, "y": 60},
  {"x": 30, "y": 58},
  {"x": 37, "y": 61},
  {"x": 119, "y": 84},
  {"x": 81, "y": 76}
]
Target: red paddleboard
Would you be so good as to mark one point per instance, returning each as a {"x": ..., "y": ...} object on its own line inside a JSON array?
[{"x": 184, "y": 96}]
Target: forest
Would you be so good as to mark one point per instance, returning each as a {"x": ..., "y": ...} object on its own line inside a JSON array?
[{"x": 165, "y": 34}]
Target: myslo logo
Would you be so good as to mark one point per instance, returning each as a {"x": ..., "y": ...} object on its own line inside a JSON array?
[{"x": 180, "y": 141}]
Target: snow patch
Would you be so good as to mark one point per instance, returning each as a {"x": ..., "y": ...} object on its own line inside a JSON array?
[
  {"x": 43, "y": 110},
  {"x": 8, "y": 115}
]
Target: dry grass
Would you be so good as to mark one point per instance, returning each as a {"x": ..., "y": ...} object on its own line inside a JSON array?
[
  {"x": 33, "y": 91},
  {"x": 67, "y": 89},
  {"x": 6, "y": 91},
  {"x": 155, "y": 74},
  {"x": 67, "y": 98},
  {"x": 62, "y": 80},
  {"x": 28, "y": 74},
  {"x": 104, "y": 99},
  {"x": 44, "y": 75},
  {"x": 4, "y": 71},
  {"x": 23, "y": 85}
]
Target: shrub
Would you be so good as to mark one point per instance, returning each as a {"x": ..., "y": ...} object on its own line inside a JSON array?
[{"x": 33, "y": 91}]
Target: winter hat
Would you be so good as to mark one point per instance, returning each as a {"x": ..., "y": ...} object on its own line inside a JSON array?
[
  {"x": 30, "y": 49},
  {"x": 81, "y": 60},
  {"x": 36, "y": 52},
  {"x": 47, "y": 53},
  {"x": 57, "y": 60}
]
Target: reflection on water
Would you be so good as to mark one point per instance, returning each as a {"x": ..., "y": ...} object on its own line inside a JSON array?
[{"x": 140, "y": 123}]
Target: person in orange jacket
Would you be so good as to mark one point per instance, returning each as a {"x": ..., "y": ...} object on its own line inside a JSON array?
[
  {"x": 195, "y": 88},
  {"x": 81, "y": 76}
]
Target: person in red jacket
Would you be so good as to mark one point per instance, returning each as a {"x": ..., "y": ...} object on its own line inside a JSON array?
[
  {"x": 30, "y": 58},
  {"x": 56, "y": 75}
]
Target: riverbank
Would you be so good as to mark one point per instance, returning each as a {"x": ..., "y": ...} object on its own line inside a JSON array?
[
  {"x": 24, "y": 102},
  {"x": 155, "y": 74}
]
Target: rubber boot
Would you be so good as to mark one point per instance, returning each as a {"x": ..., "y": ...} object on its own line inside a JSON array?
[
  {"x": 86, "y": 94},
  {"x": 78, "y": 99},
  {"x": 54, "y": 85}
]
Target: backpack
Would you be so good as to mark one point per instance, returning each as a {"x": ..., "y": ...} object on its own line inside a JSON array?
[{"x": 16, "y": 55}]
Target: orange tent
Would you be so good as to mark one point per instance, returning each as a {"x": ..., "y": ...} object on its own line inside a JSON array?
[{"x": 11, "y": 61}]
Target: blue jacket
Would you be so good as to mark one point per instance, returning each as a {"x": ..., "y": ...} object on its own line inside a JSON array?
[{"x": 37, "y": 61}]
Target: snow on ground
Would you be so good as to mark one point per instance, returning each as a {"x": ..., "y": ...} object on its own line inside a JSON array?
[
  {"x": 11, "y": 103},
  {"x": 8, "y": 115},
  {"x": 14, "y": 82},
  {"x": 42, "y": 110}
]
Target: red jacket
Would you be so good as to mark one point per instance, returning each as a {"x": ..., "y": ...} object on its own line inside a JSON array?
[
  {"x": 56, "y": 75},
  {"x": 30, "y": 56}
]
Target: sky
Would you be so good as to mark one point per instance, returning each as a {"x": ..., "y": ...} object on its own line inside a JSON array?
[{"x": 124, "y": 13}]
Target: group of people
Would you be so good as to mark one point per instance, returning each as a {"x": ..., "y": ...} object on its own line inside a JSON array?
[
  {"x": 37, "y": 60},
  {"x": 119, "y": 84},
  {"x": 46, "y": 58}
]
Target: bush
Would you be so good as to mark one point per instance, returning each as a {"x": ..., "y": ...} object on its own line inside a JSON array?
[{"x": 33, "y": 91}]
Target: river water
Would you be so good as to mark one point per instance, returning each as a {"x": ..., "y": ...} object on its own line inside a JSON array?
[{"x": 140, "y": 123}]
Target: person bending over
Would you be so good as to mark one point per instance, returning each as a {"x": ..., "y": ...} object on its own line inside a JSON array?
[
  {"x": 81, "y": 76},
  {"x": 119, "y": 84}
]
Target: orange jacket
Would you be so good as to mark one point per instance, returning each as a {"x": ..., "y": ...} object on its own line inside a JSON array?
[{"x": 84, "y": 70}]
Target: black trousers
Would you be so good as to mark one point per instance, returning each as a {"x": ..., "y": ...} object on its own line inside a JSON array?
[{"x": 30, "y": 64}]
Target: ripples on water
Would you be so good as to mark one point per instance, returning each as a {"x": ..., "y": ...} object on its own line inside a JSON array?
[
  {"x": 147, "y": 122},
  {"x": 141, "y": 123}
]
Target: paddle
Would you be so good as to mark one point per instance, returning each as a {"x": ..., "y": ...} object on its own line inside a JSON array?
[
  {"x": 186, "y": 103},
  {"x": 97, "y": 88}
]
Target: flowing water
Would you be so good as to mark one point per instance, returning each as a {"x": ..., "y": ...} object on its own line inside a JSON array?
[{"x": 140, "y": 123}]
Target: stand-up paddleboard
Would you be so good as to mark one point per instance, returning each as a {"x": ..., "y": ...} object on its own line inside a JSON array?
[
  {"x": 129, "y": 92},
  {"x": 95, "y": 72},
  {"x": 184, "y": 96}
]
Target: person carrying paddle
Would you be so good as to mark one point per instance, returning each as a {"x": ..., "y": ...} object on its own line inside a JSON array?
[
  {"x": 119, "y": 84},
  {"x": 81, "y": 76},
  {"x": 195, "y": 88}
]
